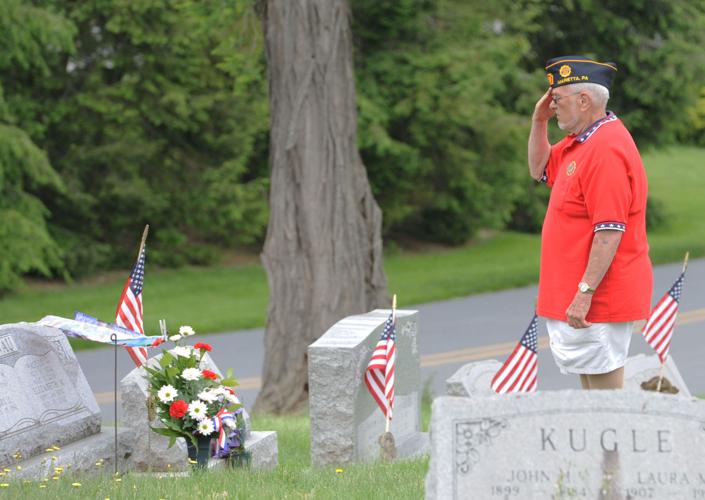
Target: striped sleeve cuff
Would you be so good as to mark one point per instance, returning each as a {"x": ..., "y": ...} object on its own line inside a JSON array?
[{"x": 612, "y": 226}]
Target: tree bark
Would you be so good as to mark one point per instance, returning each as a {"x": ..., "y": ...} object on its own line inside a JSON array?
[{"x": 323, "y": 251}]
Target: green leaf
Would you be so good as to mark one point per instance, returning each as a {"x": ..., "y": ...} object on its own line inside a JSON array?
[
  {"x": 167, "y": 432},
  {"x": 166, "y": 360},
  {"x": 229, "y": 382}
]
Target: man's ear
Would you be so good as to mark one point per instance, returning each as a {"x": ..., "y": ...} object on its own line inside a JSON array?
[{"x": 584, "y": 101}]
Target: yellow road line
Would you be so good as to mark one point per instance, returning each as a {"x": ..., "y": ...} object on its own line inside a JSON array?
[{"x": 458, "y": 356}]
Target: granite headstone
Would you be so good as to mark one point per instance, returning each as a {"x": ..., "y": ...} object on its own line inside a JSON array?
[
  {"x": 346, "y": 422},
  {"x": 45, "y": 399},
  {"x": 567, "y": 444}
]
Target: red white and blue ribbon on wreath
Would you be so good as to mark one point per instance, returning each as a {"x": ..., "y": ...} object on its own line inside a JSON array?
[{"x": 219, "y": 421}]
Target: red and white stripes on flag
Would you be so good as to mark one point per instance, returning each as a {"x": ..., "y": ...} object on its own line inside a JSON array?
[
  {"x": 658, "y": 330},
  {"x": 379, "y": 376},
  {"x": 519, "y": 372},
  {"x": 129, "y": 308}
]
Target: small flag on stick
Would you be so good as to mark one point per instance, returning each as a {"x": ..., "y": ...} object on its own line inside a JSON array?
[
  {"x": 519, "y": 372},
  {"x": 129, "y": 309},
  {"x": 379, "y": 376},
  {"x": 658, "y": 330}
]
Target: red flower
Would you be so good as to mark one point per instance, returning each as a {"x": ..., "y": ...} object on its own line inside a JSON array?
[
  {"x": 230, "y": 390},
  {"x": 209, "y": 374},
  {"x": 157, "y": 342},
  {"x": 203, "y": 346},
  {"x": 178, "y": 408}
]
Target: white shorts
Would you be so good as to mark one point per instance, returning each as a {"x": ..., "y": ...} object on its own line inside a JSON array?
[{"x": 601, "y": 348}]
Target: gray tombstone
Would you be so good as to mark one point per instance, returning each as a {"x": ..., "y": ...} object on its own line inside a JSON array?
[
  {"x": 473, "y": 379},
  {"x": 641, "y": 368},
  {"x": 567, "y": 444},
  {"x": 346, "y": 422},
  {"x": 45, "y": 399},
  {"x": 150, "y": 452}
]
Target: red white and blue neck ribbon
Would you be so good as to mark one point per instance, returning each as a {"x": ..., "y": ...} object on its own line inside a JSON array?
[{"x": 219, "y": 425}]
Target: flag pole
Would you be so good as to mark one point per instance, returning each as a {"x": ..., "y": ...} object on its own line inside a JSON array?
[
  {"x": 144, "y": 239},
  {"x": 113, "y": 337},
  {"x": 394, "y": 320},
  {"x": 660, "y": 376}
]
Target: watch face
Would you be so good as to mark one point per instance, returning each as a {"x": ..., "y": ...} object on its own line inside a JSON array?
[{"x": 583, "y": 287}]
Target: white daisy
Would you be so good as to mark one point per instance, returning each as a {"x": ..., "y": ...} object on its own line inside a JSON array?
[
  {"x": 207, "y": 396},
  {"x": 186, "y": 331},
  {"x": 205, "y": 427},
  {"x": 182, "y": 350},
  {"x": 191, "y": 374},
  {"x": 219, "y": 391},
  {"x": 232, "y": 399},
  {"x": 197, "y": 409},
  {"x": 175, "y": 338},
  {"x": 167, "y": 394}
]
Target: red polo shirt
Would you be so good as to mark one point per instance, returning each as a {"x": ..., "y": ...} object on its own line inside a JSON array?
[{"x": 598, "y": 182}]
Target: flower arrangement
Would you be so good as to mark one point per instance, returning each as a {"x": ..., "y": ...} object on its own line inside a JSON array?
[{"x": 194, "y": 403}]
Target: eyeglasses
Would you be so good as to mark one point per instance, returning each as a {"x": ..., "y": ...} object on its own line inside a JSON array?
[{"x": 557, "y": 98}]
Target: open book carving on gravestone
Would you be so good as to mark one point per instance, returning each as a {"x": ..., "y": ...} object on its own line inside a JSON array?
[{"x": 48, "y": 414}]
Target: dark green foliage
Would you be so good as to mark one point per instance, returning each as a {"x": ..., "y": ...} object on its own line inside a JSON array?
[
  {"x": 695, "y": 131},
  {"x": 31, "y": 40},
  {"x": 163, "y": 108},
  {"x": 444, "y": 155},
  {"x": 530, "y": 209},
  {"x": 656, "y": 213}
]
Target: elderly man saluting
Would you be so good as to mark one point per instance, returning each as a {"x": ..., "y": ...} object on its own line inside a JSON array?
[{"x": 596, "y": 275}]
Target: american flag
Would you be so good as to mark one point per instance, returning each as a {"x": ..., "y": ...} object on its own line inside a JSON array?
[
  {"x": 379, "y": 376},
  {"x": 129, "y": 308},
  {"x": 659, "y": 327},
  {"x": 518, "y": 373}
]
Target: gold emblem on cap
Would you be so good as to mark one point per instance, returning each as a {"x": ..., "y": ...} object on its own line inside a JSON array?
[
  {"x": 571, "y": 168},
  {"x": 550, "y": 78},
  {"x": 564, "y": 71}
]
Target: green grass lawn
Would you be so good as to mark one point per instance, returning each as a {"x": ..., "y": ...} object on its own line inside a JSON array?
[
  {"x": 292, "y": 479},
  {"x": 223, "y": 298}
]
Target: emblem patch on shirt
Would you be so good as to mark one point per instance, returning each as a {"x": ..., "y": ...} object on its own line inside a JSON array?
[{"x": 571, "y": 168}]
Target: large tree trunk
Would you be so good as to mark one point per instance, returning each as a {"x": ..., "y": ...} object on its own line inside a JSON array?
[{"x": 323, "y": 252}]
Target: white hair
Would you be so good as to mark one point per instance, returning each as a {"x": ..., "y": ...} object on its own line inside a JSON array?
[{"x": 599, "y": 94}]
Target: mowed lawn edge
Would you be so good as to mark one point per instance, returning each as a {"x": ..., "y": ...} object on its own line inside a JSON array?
[{"x": 230, "y": 298}]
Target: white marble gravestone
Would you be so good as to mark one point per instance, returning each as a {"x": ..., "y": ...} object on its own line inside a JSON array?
[
  {"x": 567, "y": 444},
  {"x": 150, "y": 452},
  {"x": 45, "y": 399},
  {"x": 641, "y": 368},
  {"x": 345, "y": 421},
  {"x": 473, "y": 379}
]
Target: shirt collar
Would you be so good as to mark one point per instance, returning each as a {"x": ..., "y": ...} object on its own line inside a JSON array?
[{"x": 610, "y": 117}]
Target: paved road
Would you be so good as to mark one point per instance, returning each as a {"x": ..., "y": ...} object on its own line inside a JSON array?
[{"x": 452, "y": 333}]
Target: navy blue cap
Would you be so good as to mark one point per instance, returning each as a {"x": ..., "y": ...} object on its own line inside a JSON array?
[{"x": 566, "y": 70}]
